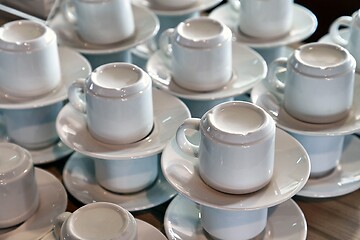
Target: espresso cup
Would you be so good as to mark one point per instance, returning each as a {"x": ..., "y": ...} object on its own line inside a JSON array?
[
  {"x": 201, "y": 53},
  {"x": 319, "y": 82},
  {"x": 127, "y": 176},
  {"x": 118, "y": 103},
  {"x": 99, "y": 220},
  {"x": 32, "y": 128},
  {"x": 101, "y": 21},
  {"x": 29, "y": 59},
  {"x": 353, "y": 42},
  {"x": 19, "y": 196},
  {"x": 237, "y": 146}
]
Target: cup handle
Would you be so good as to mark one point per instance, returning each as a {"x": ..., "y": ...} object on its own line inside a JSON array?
[
  {"x": 165, "y": 41},
  {"x": 235, "y": 4},
  {"x": 275, "y": 67},
  {"x": 181, "y": 139},
  {"x": 68, "y": 11},
  {"x": 59, "y": 220},
  {"x": 335, "y": 27},
  {"x": 75, "y": 91}
]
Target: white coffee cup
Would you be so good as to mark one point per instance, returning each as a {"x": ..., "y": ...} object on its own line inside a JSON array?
[
  {"x": 99, "y": 220},
  {"x": 353, "y": 43},
  {"x": 174, "y": 4},
  {"x": 101, "y": 21},
  {"x": 29, "y": 59},
  {"x": 127, "y": 176},
  {"x": 237, "y": 146},
  {"x": 201, "y": 53},
  {"x": 118, "y": 102},
  {"x": 19, "y": 196},
  {"x": 264, "y": 19},
  {"x": 324, "y": 151},
  {"x": 319, "y": 82},
  {"x": 32, "y": 128},
  {"x": 233, "y": 225}
]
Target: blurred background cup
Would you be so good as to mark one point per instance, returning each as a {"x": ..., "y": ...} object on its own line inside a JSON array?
[
  {"x": 173, "y": 4},
  {"x": 353, "y": 42},
  {"x": 117, "y": 100},
  {"x": 237, "y": 146},
  {"x": 201, "y": 53},
  {"x": 29, "y": 59},
  {"x": 319, "y": 82},
  {"x": 19, "y": 196},
  {"x": 101, "y": 21},
  {"x": 99, "y": 220}
]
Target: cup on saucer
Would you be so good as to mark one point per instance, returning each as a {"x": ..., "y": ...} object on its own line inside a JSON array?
[
  {"x": 29, "y": 59},
  {"x": 20, "y": 196}
]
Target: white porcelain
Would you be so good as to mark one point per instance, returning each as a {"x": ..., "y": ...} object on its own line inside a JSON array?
[
  {"x": 169, "y": 113},
  {"x": 344, "y": 179},
  {"x": 52, "y": 202},
  {"x": 263, "y": 96},
  {"x": 20, "y": 196},
  {"x": 312, "y": 69},
  {"x": 117, "y": 101},
  {"x": 79, "y": 179},
  {"x": 237, "y": 146},
  {"x": 127, "y": 176},
  {"x": 99, "y": 220},
  {"x": 284, "y": 221},
  {"x": 248, "y": 69},
  {"x": 303, "y": 25},
  {"x": 29, "y": 59},
  {"x": 146, "y": 26},
  {"x": 101, "y": 22},
  {"x": 201, "y": 53},
  {"x": 291, "y": 171},
  {"x": 73, "y": 66},
  {"x": 198, "y": 108}
]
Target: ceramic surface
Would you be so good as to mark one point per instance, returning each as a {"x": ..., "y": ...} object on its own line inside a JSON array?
[
  {"x": 169, "y": 113},
  {"x": 182, "y": 221},
  {"x": 271, "y": 102},
  {"x": 249, "y": 68},
  {"x": 73, "y": 66},
  {"x": 146, "y": 26},
  {"x": 79, "y": 179},
  {"x": 53, "y": 201},
  {"x": 159, "y": 10},
  {"x": 343, "y": 180},
  {"x": 291, "y": 171},
  {"x": 304, "y": 24}
]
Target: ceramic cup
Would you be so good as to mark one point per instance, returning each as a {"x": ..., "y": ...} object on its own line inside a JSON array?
[
  {"x": 101, "y": 21},
  {"x": 29, "y": 59},
  {"x": 173, "y": 4},
  {"x": 127, "y": 176},
  {"x": 201, "y": 53},
  {"x": 99, "y": 220},
  {"x": 353, "y": 43},
  {"x": 19, "y": 196},
  {"x": 264, "y": 19},
  {"x": 118, "y": 102},
  {"x": 237, "y": 146},
  {"x": 319, "y": 82},
  {"x": 324, "y": 152},
  {"x": 32, "y": 128},
  {"x": 233, "y": 225}
]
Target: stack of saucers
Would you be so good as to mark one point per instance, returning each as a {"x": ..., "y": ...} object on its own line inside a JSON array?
[{"x": 235, "y": 168}]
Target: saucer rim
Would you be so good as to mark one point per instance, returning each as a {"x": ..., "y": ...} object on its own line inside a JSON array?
[
  {"x": 147, "y": 226},
  {"x": 80, "y": 158}
]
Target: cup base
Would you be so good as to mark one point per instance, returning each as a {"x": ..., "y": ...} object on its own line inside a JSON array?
[
  {"x": 264, "y": 36},
  {"x": 324, "y": 119},
  {"x": 322, "y": 174}
]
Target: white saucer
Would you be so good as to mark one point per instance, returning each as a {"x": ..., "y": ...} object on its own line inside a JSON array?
[
  {"x": 200, "y": 5},
  {"x": 53, "y": 201},
  {"x": 73, "y": 66},
  {"x": 249, "y": 68},
  {"x": 271, "y": 102},
  {"x": 169, "y": 114},
  {"x": 79, "y": 180},
  {"x": 291, "y": 171},
  {"x": 182, "y": 221},
  {"x": 304, "y": 24},
  {"x": 146, "y": 26},
  {"x": 343, "y": 180}
]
